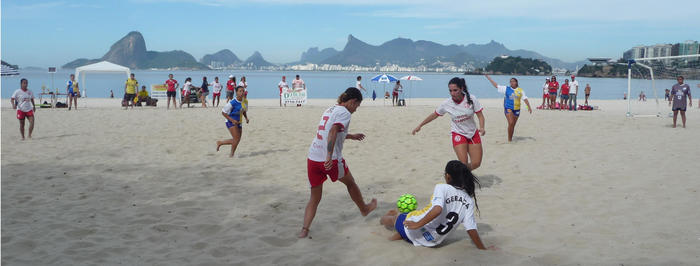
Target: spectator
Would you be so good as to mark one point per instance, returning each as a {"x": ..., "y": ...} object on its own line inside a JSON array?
[
  {"x": 298, "y": 84},
  {"x": 395, "y": 94},
  {"x": 573, "y": 91},
  {"x": 23, "y": 101},
  {"x": 217, "y": 87},
  {"x": 204, "y": 91},
  {"x": 172, "y": 85},
  {"x": 283, "y": 87},
  {"x": 130, "y": 88},
  {"x": 72, "y": 92},
  {"x": 565, "y": 89}
]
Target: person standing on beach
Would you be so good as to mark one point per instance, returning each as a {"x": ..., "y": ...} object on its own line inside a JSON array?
[
  {"x": 23, "y": 101},
  {"x": 553, "y": 88},
  {"x": 130, "y": 88},
  {"x": 217, "y": 87},
  {"x": 298, "y": 84},
  {"x": 462, "y": 107},
  {"x": 565, "y": 88},
  {"x": 545, "y": 94},
  {"x": 395, "y": 94},
  {"x": 186, "y": 91},
  {"x": 326, "y": 156},
  {"x": 573, "y": 91},
  {"x": 283, "y": 87},
  {"x": 358, "y": 84},
  {"x": 72, "y": 91},
  {"x": 171, "y": 84},
  {"x": 511, "y": 103},
  {"x": 587, "y": 91},
  {"x": 230, "y": 86},
  {"x": 232, "y": 112},
  {"x": 244, "y": 84},
  {"x": 204, "y": 92},
  {"x": 680, "y": 97}
]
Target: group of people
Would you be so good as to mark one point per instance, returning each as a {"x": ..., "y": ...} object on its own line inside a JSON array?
[
  {"x": 188, "y": 89},
  {"x": 297, "y": 84},
  {"x": 567, "y": 93}
]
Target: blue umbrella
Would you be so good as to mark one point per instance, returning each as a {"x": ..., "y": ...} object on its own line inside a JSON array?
[{"x": 384, "y": 78}]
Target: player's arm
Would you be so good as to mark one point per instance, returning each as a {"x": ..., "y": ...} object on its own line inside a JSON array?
[
  {"x": 474, "y": 235},
  {"x": 332, "y": 135},
  {"x": 690, "y": 99},
  {"x": 431, "y": 215},
  {"x": 495, "y": 85},
  {"x": 33, "y": 105},
  {"x": 12, "y": 100},
  {"x": 427, "y": 120},
  {"x": 234, "y": 121},
  {"x": 482, "y": 121},
  {"x": 245, "y": 114}
]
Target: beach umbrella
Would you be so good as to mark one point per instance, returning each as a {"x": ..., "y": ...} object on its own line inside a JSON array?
[
  {"x": 411, "y": 78},
  {"x": 384, "y": 78}
]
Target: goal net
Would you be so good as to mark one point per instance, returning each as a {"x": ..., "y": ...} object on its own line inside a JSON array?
[{"x": 649, "y": 78}]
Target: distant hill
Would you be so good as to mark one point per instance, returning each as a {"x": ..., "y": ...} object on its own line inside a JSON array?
[
  {"x": 518, "y": 66},
  {"x": 406, "y": 52},
  {"x": 313, "y": 55},
  {"x": 257, "y": 60},
  {"x": 224, "y": 57},
  {"x": 131, "y": 51},
  {"x": 9, "y": 65}
]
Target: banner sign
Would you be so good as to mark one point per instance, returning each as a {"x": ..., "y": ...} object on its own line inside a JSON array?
[{"x": 292, "y": 96}]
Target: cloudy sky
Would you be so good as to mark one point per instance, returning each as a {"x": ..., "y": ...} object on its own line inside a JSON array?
[{"x": 52, "y": 33}]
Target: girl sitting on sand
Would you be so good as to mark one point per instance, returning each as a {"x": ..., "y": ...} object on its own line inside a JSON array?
[
  {"x": 232, "y": 112},
  {"x": 452, "y": 204}
]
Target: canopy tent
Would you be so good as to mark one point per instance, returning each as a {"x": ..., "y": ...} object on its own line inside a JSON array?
[
  {"x": 384, "y": 78},
  {"x": 100, "y": 67},
  {"x": 411, "y": 78}
]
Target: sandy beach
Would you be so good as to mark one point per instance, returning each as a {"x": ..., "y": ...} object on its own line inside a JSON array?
[{"x": 105, "y": 186}]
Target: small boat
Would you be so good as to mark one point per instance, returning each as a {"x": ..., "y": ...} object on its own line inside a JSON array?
[{"x": 7, "y": 70}]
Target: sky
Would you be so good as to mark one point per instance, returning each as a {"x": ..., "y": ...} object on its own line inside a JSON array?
[{"x": 52, "y": 33}]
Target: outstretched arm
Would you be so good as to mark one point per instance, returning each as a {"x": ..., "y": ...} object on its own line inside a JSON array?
[
  {"x": 428, "y": 119},
  {"x": 434, "y": 212},
  {"x": 495, "y": 85},
  {"x": 474, "y": 235}
]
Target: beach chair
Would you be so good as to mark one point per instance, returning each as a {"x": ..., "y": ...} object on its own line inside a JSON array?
[{"x": 159, "y": 91}]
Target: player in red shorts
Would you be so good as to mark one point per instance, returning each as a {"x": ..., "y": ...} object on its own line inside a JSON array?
[
  {"x": 23, "y": 101},
  {"x": 326, "y": 158},
  {"x": 465, "y": 136}
]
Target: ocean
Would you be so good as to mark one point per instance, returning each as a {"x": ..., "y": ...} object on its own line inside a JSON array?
[{"x": 263, "y": 84}]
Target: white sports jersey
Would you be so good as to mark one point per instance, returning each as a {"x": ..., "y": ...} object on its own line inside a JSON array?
[
  {"x": 462, "y": 115},
  {"x": 336, "y": 115},
  {"x": 573, "y": 87},
  {"x": 457, "y": 208},
  {"x": 24, "y": 100},
  {"x": 217, "y": 87}
]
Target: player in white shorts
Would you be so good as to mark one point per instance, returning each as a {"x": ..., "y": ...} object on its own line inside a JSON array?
[
  {"x": 452, "y": 204},
  {"x": 462, "y": 107},
  {"x": 326, "y": 157}
]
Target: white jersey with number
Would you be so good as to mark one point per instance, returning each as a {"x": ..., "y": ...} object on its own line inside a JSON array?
[
  {"x": 336, "y": 115},
  {"x": 457, "y": 208},
  {"x": 462, "y": 115},
  {"x": 24, "y": 100}
]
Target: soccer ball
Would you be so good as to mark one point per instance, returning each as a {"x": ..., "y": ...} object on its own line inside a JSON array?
[{"x": 406, "y": 203}]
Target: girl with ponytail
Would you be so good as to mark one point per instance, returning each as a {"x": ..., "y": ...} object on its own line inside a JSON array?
[
  {"x": 462, "y": 106},
  {"x": 452, "y": 204}
]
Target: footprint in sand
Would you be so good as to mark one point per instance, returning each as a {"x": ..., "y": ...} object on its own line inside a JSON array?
[
  {"x": 277, "y": 242},
  {"x": 80, "y": 233},
  {"x": 204, "y": 230}
]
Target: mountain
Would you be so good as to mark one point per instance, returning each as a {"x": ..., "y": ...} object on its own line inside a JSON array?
[
  {"x": 223, "y": 58},
  {"x": 515, "y": 65},
  {"x": 257, "y": 60},
  {"x": 314, "y": 56},
  {"x": 406, "y": 52},
  {"x": 130, "y": 51},
  {"x": 9, "y": 65}
]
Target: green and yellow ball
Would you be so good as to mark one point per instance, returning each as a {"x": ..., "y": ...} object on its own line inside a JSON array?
[{"x": 406, "y": 203}]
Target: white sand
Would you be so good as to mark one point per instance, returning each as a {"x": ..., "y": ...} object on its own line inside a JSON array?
[{"x": 104, "y": 186}]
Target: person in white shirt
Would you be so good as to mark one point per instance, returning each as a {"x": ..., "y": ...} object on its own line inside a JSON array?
[
  {"x": 358, "y": 84},
  {"x": 545, "y": 94},
  {"x": 23, "y": 101},
  {"x": 298, "y": 84},
  {"x": 243, "y": 83},
  {"x": 326, "y": 156},
  {"x": 216, "y": 88},
  {"x": 186, "y": 91},
  {"x": 573, "y": 91},
  {"x": 462, "y": 107},
  {"x": 283, "y": 87},
  {"x": 452, "y": 204}
]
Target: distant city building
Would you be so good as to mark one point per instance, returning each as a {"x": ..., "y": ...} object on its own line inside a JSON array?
[{"x": 661, "y": 50}]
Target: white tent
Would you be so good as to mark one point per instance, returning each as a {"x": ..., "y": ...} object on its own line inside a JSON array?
[{"x": 100, "y": 67}]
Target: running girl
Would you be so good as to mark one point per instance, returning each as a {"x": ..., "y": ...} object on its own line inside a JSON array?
[
  {"x": 465, "y": 136},
  {"x": 511, "y": 103},
  {"x": 326, "y": 156},
  {"x": 232, "y": 112},
  {"x": 452, "y": 204}
]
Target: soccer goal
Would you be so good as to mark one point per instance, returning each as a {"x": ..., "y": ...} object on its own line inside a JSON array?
[{"x": 649, "y": 78}]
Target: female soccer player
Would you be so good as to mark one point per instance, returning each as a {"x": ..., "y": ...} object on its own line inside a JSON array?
[
  {"x": 465, "y": 136},
  {"x": 452, "y": 204},
  {"x": 511, "y": 103},
  {"x": 232, "y": 112},
  {"x": 326, "y": 156}
]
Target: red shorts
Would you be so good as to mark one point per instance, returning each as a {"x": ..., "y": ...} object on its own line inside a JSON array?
[
  {"x": 318, "y": 173},
  {"x": 458, "y": 139},
  {"x": 216, "y": 94},
  {"x": 21, "y": 115}
]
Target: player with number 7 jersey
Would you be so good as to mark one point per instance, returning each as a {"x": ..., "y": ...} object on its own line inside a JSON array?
[{"x": 326, "y": 156}]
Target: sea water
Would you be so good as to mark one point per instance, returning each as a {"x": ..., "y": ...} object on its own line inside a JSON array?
[{"x": 263, "y": 84}]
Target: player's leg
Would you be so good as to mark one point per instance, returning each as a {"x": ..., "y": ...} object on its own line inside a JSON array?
[
  {"x": 356, "y": 195},
  {"x": 389, "y": 219},
  {"x": 510, "y": 118},
  {"x": 475, "y": 154},
  {"x": 675, "y": 116},
  {"x": 682, "y": 119},
  {"x": 237, "y": 132},
  {"x": 310, "y": 212},
  {"x": 31, "y": 125},
  {"x": 21, "y": 127}
]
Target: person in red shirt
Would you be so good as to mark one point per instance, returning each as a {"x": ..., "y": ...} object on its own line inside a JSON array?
[
  {"x": 564, "y": 95},
  {"x": 230, "y": 85},
  {"x": 553, "y": 88},
  {"x": 171, "y": 84}
]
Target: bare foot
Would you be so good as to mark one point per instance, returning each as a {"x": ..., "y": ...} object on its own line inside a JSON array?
[
  {"x": 303, "y": 233},
  {"x": 231, "y": 155},
  {"x": 674, "y": 126},
  {"x": 218, "y": 144},
  {"x": 369, "y": 207}
]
